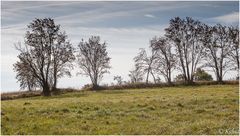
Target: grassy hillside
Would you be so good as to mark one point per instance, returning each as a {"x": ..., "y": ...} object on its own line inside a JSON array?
[{"x": 171, "y": 110}]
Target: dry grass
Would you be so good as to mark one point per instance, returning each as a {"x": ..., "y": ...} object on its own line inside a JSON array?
[
  {"x": 167, "y": 110},
  {"x": 25, "y": 94},
  {"x": 20, "y": 94}
]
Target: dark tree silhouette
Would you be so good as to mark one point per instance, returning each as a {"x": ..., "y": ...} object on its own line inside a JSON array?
[
  {"x": 46, "y": 56},
  {"x": 233, "y": 34},
  {"x": 93, "y": 59},
  {"x": 62, "y": 58},
  {"x": 186, "y": 35},
  {"x": 166, "y": 60},
  {"x": 26, "y": 79},
  {"x": 217, "y": 48}
]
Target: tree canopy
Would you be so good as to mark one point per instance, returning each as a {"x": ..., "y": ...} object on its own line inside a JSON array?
[{"x": 46, "y": 55}]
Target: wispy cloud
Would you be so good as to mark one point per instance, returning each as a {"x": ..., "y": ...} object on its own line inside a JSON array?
[
  {"x": 228, "y": 18},
  {"x": 149, "y": 15},
  {"x": 83, "y": 12}
]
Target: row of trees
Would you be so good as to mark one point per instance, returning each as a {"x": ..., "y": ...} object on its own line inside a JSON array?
[
  {"x": 187, "y": 45},
  {"x": 48, "y": 55}
]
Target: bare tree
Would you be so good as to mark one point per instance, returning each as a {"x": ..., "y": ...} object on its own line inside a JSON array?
[
  {"x": 119, "y": 79},
  {"x": 135, "y": 75},
  {"x": 26, "y": 79},
  {"x": 39, "y": 55},
  {"x": 186, "y": 35},
  {"x": 145, "y": 63},
  {"x": 233, "y": 34},
  {"x": 62, "y": 58},
  {"x": 217, "y": 48},
  {"x": 166, "y": 60},
  {"x": 93, "y": 59}
]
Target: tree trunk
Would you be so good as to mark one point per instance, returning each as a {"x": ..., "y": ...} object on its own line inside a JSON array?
[
  {"x": 182, "y": 63},
  {"x": 153, "y": 77},
  {"x": 147, "y": 76},
  {"x": 238, "y": 62},
  {"x": 54, "y": 88},
  {"x": 186, "y": 63},
  {"x": 169, "y": 80},
  {"x": 190, "y": 81},
  {"x": 169, "y": 76},
  {"x": 95, "y": 87},
  {"x": 237, "y": 78},
  {"x": 29, "y": 86},
  {"x": 46, "y": 90},
  {"x": 220, "y": 80}
]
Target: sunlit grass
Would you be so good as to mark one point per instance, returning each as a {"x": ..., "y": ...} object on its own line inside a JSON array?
[{"x": 171, "y": 110}]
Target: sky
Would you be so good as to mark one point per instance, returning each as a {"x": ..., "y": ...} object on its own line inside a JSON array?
[{"x": 125, "y": 26}]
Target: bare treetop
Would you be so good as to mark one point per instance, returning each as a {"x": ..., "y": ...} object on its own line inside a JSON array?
[
  {"x": 46, "y": 56},
  {"x": 186, "y": 35},
  {"x": 93, "y": 59}
]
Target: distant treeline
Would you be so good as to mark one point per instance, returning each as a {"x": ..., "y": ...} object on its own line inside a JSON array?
[{"x": 187, "y": 46}]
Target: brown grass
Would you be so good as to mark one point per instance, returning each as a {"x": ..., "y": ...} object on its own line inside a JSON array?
[
  {"x": 25, "y": 94},
  {"x": 22, "y": 94}
]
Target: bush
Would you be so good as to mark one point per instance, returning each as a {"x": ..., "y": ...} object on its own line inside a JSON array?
[
  {"x": 89, "y": 87},
  {"x": 202, "y": 75},
  {"x": 152, "y": 85}
]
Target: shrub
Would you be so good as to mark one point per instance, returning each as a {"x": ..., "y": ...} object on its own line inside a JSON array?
[{"x": 202, "y": 75}]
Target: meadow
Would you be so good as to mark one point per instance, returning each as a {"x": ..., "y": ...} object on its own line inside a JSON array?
[{"x": 207, "y": 109}]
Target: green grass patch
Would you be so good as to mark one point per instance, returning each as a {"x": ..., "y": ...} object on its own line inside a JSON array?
[{"x": 168, "y": 110}]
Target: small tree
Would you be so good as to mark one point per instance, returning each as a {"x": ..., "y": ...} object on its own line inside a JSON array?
[
  {"x": 166, "y": 60},
  {"x": 119, "y": 79},
  {"x": 158, "y": 79},
  {"x": 145, "y": 63},
  {"x": 62, "y": 58},
  {"x": 217, "y": 48},
  {"x": 233, "y": 35},
  {"x": 201, "y": 75},
  {"x": 93, "y": 59}
]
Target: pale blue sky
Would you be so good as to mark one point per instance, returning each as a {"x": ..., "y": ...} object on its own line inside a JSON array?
[{"x": 125, "y": 26}]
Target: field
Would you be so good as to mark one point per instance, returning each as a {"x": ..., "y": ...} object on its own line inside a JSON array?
[{"x": 209, "y": 109}]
